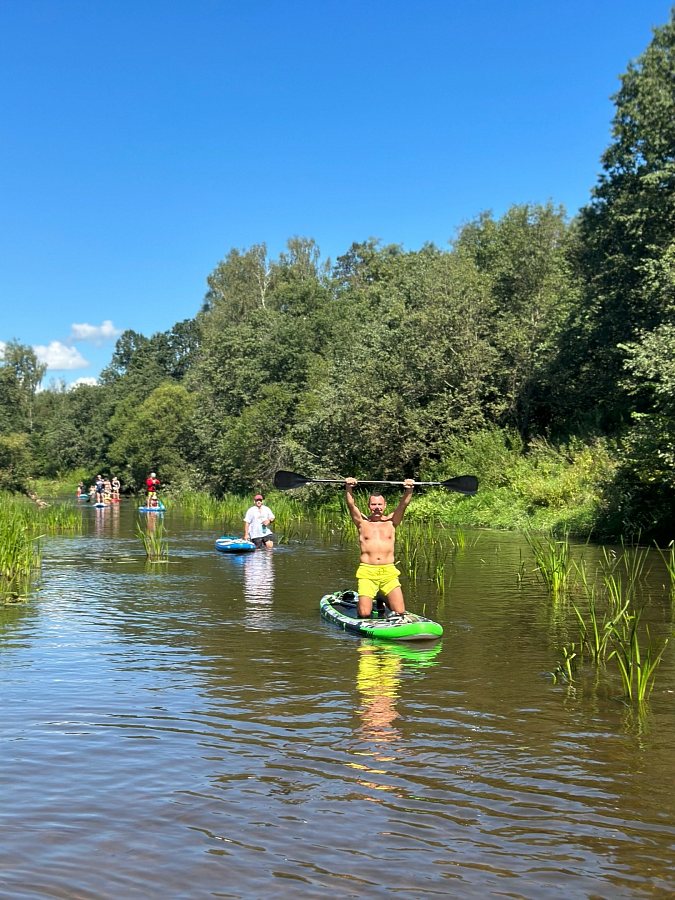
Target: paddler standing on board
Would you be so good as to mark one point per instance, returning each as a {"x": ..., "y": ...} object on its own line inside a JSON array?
[
  {"x": 377, "y": 535},
  {"x": 152, "y": 483}
]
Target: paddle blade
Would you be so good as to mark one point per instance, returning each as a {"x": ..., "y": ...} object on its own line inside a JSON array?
[
  {"x": 463, "y": 484},
  {"x": 286, "y": 481}
]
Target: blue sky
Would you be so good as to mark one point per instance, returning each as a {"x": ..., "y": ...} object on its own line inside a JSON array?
[{"x": 142, "y": 140}]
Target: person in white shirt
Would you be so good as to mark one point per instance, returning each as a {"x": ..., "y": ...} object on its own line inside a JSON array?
[{"x": 256, "y": 524}]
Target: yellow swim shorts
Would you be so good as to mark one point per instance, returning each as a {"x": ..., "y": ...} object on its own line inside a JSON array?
[{"x": 372, "y": 579}]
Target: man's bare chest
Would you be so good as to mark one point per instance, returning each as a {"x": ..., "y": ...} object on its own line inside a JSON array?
[{"x": 377, "y": 532}]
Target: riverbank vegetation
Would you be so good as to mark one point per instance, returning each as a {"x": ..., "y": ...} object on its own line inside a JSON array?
[
  {"x": 22, "y": 524},
  {"x": 533, "y": 351}
]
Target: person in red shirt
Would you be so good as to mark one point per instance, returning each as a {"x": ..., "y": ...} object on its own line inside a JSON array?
[{"x": 153, "y": 483}]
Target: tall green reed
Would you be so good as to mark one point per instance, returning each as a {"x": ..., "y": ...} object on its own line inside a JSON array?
[
  {"x": 637, "y": 666},
  {"x": 668, "y": 557},
  {"x": 553, "y": 563},
  {"x": 19, "y": 549},
  {"x": 154, "y": 541}
]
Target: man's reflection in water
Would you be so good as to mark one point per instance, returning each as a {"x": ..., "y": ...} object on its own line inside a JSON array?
[
  {"x": 377, "y": 680},
  {"x": 258, "y": 585},
  {"x": 115, "y": 511},
  {"x": 100, "y": 521},
  {"x": 151, "y": 522}
]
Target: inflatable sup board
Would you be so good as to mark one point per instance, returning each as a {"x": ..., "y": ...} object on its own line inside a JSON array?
[
  {"x": 340, "y": 608},
  {"x": 234, "y": 545}
]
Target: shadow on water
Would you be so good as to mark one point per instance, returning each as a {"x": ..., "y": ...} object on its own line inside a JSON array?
[{"x": 197, "y": 730}]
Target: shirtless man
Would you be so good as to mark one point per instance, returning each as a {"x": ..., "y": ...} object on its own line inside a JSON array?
[{"x": 377, "y": 571}]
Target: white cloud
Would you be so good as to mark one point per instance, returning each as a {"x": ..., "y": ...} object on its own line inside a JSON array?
[
  {"x": 2, "y": 349},
  {"x": 94, "y": 334},
  {"x": 77, "y": 381},
  {"x": 58, "y": 356}
]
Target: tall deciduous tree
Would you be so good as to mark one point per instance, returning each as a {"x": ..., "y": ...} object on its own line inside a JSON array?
[
  {"x": 626, "y": 236},
  {"x": 21, "y": 361}
]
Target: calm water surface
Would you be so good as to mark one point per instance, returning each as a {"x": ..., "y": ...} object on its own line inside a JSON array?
[{"x": 195, "y": 730}]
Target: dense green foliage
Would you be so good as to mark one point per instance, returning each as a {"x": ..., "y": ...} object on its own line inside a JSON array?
[{"x": 549, "y": 340}]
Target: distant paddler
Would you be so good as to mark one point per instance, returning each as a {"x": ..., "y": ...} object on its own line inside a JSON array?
[
  {"x": 257, "y": 520},
  {"x": 115, "y": 488},
  {"x": 152, "y": 483},
  {"x": 377, "y": 537}
]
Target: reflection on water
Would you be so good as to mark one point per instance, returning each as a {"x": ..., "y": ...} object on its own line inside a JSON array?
[
  {"x": 259, "y": 587},
  {"x": 378, "y": 680},
  {"x": 259, "y": 577},
  {"x": 198, "y": 731},
  {"x": 106, "y": 520}
]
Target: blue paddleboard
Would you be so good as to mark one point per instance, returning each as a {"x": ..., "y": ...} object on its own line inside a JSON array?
[{"x": 234, "y": 545}]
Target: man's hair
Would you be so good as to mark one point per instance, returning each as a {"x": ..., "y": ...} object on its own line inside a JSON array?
[{"x": 376, "y": 494}]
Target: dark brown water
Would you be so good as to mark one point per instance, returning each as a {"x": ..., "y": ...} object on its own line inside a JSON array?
[{"x": 195, "y": 730}]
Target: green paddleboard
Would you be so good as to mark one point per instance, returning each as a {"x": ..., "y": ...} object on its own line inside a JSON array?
[{"x": 340, "y": 608}]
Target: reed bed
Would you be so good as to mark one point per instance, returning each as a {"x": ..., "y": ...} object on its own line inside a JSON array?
[
  {"x": 19, "y": 549},
  {"x": 608, "y": 614},
  {"x": 22, "y": 524},
  {"x": 63, "y": 518}
]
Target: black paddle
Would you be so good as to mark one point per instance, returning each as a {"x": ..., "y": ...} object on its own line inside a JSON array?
[{"x": 287, "y": 481}]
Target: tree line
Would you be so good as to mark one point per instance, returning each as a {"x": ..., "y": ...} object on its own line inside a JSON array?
[{"x": 384, "y": 361}]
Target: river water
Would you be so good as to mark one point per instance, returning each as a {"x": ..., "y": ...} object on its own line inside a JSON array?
[{"x": 195, "y": 730}]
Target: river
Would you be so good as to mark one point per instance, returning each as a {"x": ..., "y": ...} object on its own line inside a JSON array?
[{"x": 195, "y": 730}]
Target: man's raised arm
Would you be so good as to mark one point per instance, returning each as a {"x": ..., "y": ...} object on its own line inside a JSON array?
[
  {"x": 397, "y": 515},
  {"x": 354, "y": 512}
]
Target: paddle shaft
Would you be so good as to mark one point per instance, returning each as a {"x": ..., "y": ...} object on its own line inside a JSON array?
[
  {"x": 288, "y": 481},
  {"x": 342, "y": 481}
]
